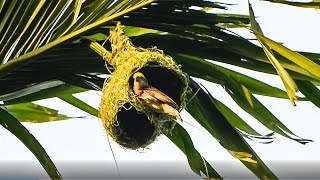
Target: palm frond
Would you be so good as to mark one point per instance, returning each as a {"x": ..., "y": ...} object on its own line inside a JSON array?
[
  {"x": 312, "y": 4},
  {"x": 45, "y": 53},
  {"x": 10, "y": 123}
]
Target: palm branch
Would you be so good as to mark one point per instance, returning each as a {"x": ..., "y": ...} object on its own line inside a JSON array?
[{"x": 45, "y": 52}]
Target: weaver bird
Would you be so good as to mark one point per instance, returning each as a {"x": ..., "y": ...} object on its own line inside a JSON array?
[{"x": 153, "y": 98}]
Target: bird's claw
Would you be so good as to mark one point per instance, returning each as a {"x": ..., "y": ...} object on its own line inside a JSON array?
[{"x": 134, "y": 96}]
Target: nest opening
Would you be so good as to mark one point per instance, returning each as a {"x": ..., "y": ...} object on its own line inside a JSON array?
[
  {"x": 134, "y": 129},
  {"x": 166, "y": 80}
]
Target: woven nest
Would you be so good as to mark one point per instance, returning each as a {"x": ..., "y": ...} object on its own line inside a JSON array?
[{"x": 125, "y": 119}]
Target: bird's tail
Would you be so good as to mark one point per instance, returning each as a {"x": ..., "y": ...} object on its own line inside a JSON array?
[
  {"x": 179, "y": 118},
  {"x": 172, "y": 111}
]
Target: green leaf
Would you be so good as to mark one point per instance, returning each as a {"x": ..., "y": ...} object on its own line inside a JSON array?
[
  {"x": 182, "y": 140},
  {"x": 80, "y": 104},
  {"x": 259, "y": 111},
  {"x": 310, "y": 91},
  {"x": 138, "y": 31},
  {"x": 293, "y": 56},
  {"x": 201, "y": 68},
  {"x": 234, "y": 119},
  {"x": 30, "y": 112},
  {"x": 288, "y": 82},
  {"x": 203, "y": 109},
  {"x": 86, "y": 81},
  {"x": 97, "y": 37},
  {"x": 252, "y": 57},
  {"x": 179, "y": 136},
  {"x": 16, "y": 128},
  {"x": 8, "y": 12},
  {"x": 39, "y": 92},
  {"x": 109, "y": 13},
  {"x": 312, "y": 4},
  {"x": 254, "y": 24}
]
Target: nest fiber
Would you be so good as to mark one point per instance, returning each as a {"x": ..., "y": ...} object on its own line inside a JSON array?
[{"x": 125, "y": 119}]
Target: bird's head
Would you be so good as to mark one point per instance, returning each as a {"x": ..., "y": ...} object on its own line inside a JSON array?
[
  {"x": 140, "y": 80},
  {"x": 138, "y": 75}
]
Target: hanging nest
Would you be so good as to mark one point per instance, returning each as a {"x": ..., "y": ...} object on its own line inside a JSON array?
[{"x": 124, "y": 117}]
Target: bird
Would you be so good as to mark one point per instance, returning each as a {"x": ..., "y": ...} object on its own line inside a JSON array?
[{"x": 154, "y": 98}]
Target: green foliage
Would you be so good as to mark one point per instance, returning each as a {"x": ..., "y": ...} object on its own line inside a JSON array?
[
  {"x": 203, "y": 109},
  {"x": 15, "y": 127},
  {"x": 312, "y": 4},
  {"x": 198, "y": 164},
  {"x": 30, "y": 112},
  {"x": 45, "y": 53}
]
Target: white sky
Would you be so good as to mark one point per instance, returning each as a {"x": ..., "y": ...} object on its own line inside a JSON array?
[{"x": 85, "y": 139}]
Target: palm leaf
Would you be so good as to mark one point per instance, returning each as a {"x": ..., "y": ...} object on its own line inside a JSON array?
[
  {"x": 16, "y": 57},
  {"x": 45, "y": 53},
  {"x": 310, "y": 91},
  {"x": 305, "y": 63},
  {"x": 312, "y": 4},
  {"x": 59, "y": 89},
  {"x": 209, "y": 116},
  {"x": 30, "y": 112},
  {"x": 178, "y": 136},
  {"x": 198, "y": 164},
  {"x": 16, "y": 128},
  {"x": 80, "y": 104},
  {"x": 287, "y": 80},
  {"x": 196, "y": 66},
  {"x": 259, "y": 111},
  {"x": 32, "y": 28}
]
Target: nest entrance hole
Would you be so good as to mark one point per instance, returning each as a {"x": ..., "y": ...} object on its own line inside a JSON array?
[
  {"x": 133, "y": 126},
  {"x": 166, "y": 80},
  {"x": 134, "y": 129}
]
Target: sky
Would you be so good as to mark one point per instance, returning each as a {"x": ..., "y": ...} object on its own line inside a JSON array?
[{"x": 84, "y": 139}]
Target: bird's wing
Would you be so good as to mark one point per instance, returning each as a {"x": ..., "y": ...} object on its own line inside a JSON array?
[{"x": 161, "y": 96}]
